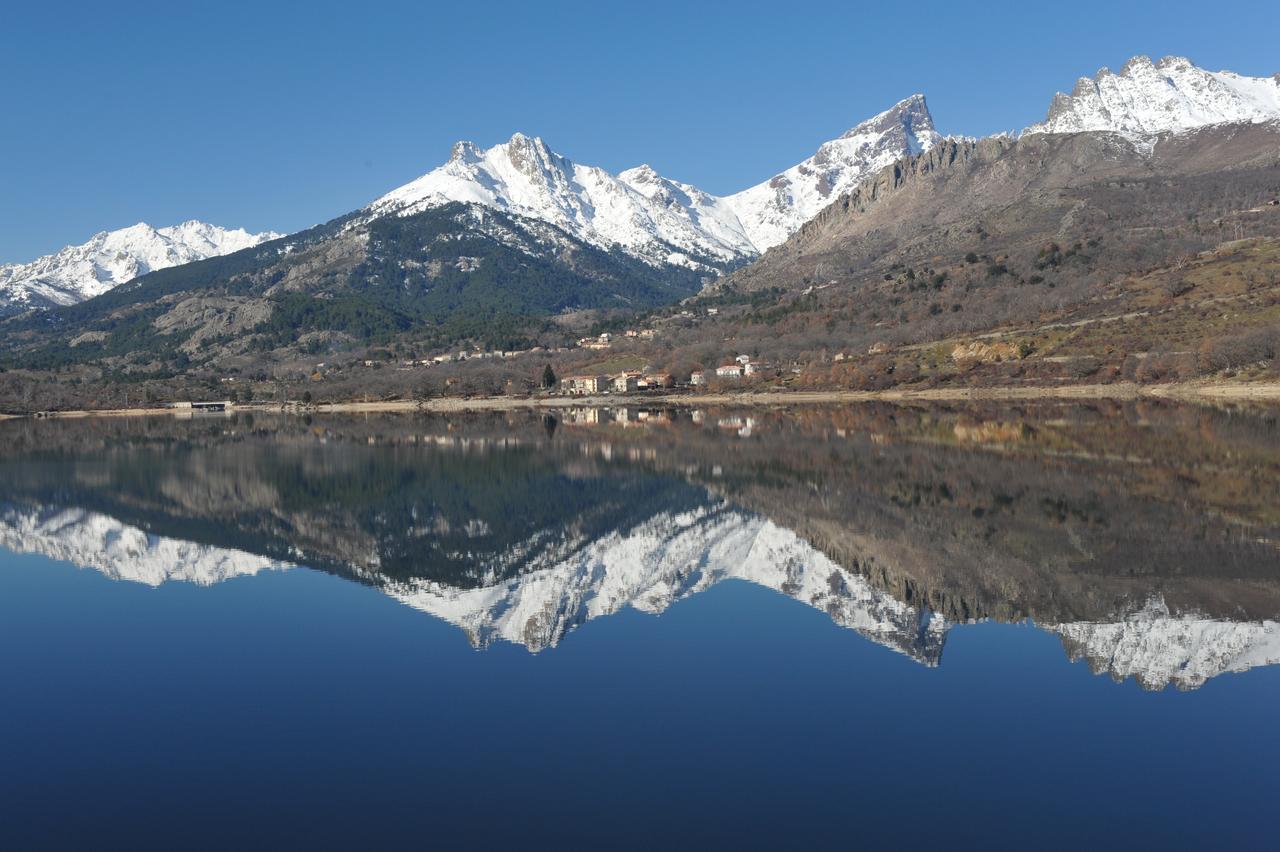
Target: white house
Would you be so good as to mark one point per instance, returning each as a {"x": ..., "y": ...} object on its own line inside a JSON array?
[{"x": 581, "y": 385}]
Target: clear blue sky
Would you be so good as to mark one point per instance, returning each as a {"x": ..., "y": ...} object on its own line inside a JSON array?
[{"x": 248, "y": 114}]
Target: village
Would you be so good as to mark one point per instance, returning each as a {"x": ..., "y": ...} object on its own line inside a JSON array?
[{"x": 633, "y": 381}]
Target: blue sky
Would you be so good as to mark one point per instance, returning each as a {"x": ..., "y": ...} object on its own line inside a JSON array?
[{"x": 268, "y": 116}]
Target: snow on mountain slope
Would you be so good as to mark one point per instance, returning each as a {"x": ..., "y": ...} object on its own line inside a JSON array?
[
  {"x": 120, "y": 551},
  {"x": 1158, "y": 648},
  {"x": 1171, "y": 95},
  {"x": 109, "y": 258},
  {"x": 774, "y": 210},
  {"x": 707, "y": 213},
  {"x": 659, "y": 221},
  {"x": 651, "y": 217},
  {"x": 664, "y": 560}
]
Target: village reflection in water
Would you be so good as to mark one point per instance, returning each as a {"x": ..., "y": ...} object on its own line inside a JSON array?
[{"x": 1144, "y": 535}]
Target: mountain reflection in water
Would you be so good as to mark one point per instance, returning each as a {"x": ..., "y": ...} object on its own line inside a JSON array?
[{"x": 1143, "y": 535}]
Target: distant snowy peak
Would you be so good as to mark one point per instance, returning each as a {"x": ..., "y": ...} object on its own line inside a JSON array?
[
  {"x": 110, "y": 258},
  {"x": 774, "y": 210},
  {"x": 657, "y": 220},
  {"x": 1148, "y": 98}
]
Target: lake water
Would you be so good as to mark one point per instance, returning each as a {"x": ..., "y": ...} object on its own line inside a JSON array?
[{"x": 1051, "y": 626}]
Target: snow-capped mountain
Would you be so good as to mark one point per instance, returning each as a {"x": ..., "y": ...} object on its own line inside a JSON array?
[
  {"x": 109, "y": 258},
  {"x": 659, "y": 221},
  {"x": 772, "y": 211},
  {"x": 662, "y": 221},
  {"x": 654, "y": 218},
  {"x": 1171, "y": 95},
  {"x": 1159, "y": 648}
]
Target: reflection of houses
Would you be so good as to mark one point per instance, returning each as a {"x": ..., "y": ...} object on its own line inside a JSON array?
[
  {"x": 743, "y": 426},
  {"x": 581, "y": 417},
  {"x": 655, "y": 418},
  {"x": 582, "y": 385}
]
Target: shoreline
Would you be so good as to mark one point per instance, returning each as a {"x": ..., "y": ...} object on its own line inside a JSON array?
[{"x": 1178, "y": 392}]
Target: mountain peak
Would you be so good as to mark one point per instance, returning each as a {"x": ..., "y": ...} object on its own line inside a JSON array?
[
  {"x": 531, "y": 156},
  {"x": 911, "y": 117},
  {"x": 912, "y": 112},
  {"x": 641, "y": 174},
  {"x": 914, "y": 103},
  {"x": 1148, "y": 98},
  {"x": 464, "y": 152},
  {"x": 1172, "y": 63},
  {"x": 1137, "y": 62}
]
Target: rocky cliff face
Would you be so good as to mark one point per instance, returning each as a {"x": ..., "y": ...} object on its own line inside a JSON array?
[
  {"x": 1000, "y": 195},
  {"x": 775, "y": 209}
]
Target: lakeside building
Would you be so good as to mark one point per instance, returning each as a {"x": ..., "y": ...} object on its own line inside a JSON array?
[
  {"x": 204, "y": 405},
  {"x": 582, "y": 385}
]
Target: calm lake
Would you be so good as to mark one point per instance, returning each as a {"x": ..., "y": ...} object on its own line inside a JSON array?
[{"x": 1047, "y": 626}]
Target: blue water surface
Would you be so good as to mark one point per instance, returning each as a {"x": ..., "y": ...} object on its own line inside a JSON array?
[{"x": 297, "y": 709}]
